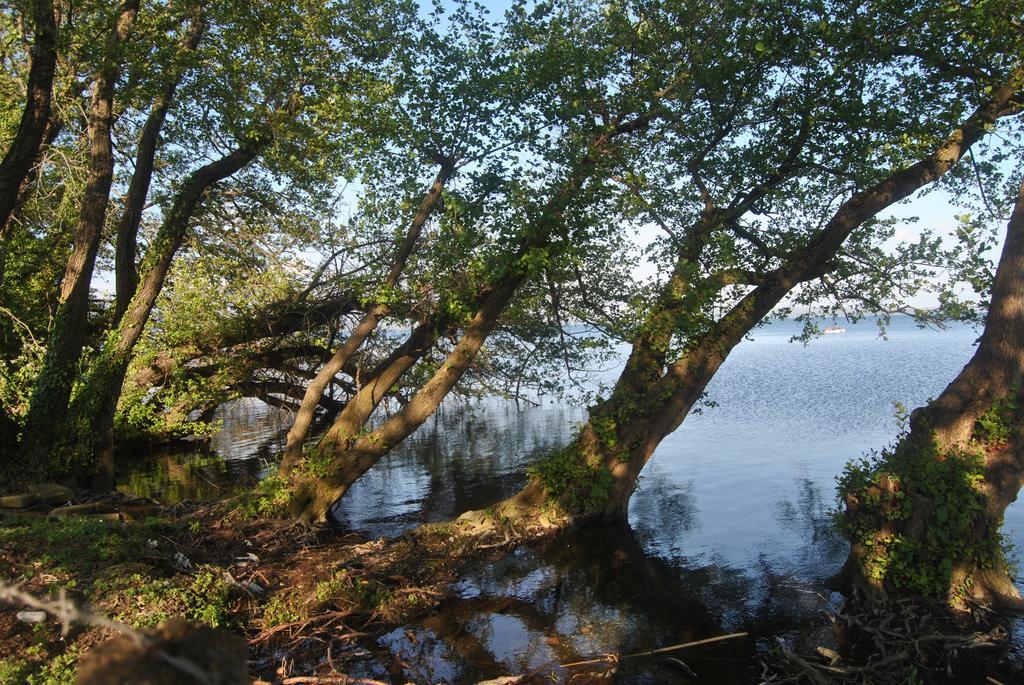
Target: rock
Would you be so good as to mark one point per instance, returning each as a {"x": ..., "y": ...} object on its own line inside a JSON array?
[
  {"x": 52, "y": 493},
  {"x": 31, "y": 616},
  {"x": 219, "y": 655},
  {"x": 180, "y": 562},
  {"x": 18, "y": 501},
  {"x": 505, "y": 680},
  {"x": 82, "y": 509}
]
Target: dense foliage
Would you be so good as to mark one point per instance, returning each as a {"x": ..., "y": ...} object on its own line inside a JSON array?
[{"x": 355, "y": 210}]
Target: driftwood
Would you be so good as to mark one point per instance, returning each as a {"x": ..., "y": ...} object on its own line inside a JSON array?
[{"x": 655, "y": 652}]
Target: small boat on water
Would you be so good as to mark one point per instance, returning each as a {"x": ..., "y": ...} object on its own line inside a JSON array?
[{"x": 834, "y": 329}]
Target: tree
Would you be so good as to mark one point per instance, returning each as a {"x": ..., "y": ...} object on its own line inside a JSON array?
[
  {"x": 537, "y": 211},
  {"x": 463, "y": 101},
  {"x": 89, "y": 439},
  {"x": 713, "y": 160},
  {"x": 91, "y": 414},
  {"x": 126, "y": 278},
  {"x": 923, "y": 517},
  {"x": 751, "y": 215},
  {"x": 292, "y": 94}
]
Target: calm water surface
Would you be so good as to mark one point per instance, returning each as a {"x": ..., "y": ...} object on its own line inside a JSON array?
[{"x": 728, "y": 530}]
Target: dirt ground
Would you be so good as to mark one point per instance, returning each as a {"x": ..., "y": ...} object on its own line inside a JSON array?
[{"x": 309, "y": 603}]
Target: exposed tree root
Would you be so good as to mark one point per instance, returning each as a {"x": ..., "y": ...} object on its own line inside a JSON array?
[{"x": 527, "y": 517}]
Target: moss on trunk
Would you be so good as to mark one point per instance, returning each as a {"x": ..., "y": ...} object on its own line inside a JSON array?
[
  {"x": 923, "y": 518},
  {"x": 924, "y": 522}
]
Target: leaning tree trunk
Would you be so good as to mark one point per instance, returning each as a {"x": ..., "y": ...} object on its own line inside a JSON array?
[
  {"x": 320, "y": 479},
  {"x": 316, "y": 484},
  {"x": 91, "y": 415},
  {"x": 367, "y": 324},
  {"x": 48, "y": 406},
  {"x": 24, "y": 149},
  {"x": 126, "y": 278},
  {"x": 595, "y": 475},
  {"x": 54, "y": 126},
  {"x": 924, "y": 520},
  {"x": 323, "y": 478},
  {"x": 353, "y": 416}
]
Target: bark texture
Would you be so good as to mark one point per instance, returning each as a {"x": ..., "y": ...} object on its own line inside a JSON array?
[
  {"x": 357, "y": 411},
  {"x": 56, "y": 124},
  {"x": 126, "y": 277},
  {"x": 342, "y": 463}
]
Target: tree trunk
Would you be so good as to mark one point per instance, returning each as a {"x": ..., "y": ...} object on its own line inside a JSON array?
[
  {"x": 24, "y": 149},
  {"x": 595, "y": 475},
  {"x": 64, "y": 345},
  {"x": 54, "y": 126},
  {"x": 91, "y": 416},
  {"x": 126, "y": 278},
  {"x": 339, "y": 360},
  {"x": 953, "y": 475},
  {"x": 316, "y": 489},
  {"x": 357, "y": 411}
]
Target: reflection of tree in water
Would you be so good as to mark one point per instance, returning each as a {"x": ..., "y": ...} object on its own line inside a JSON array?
[
  {"x": 787, "y": 600},
  {"x": 595, "y": 592},
  {"x": 465, "y": 457},
  {"x": 665, "y": 506},
  {"x": 172, "y": 477},
  {"x": 424, "y": 656},
  {"x": 249, "y": 429},
  {"x": 478, "y": 459},
  {"x": 810, "y": 518},
  {"x": 239, "y": 453}
]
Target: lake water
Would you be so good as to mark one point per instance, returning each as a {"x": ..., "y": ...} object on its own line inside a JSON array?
[{"x": 728, "y": 531}]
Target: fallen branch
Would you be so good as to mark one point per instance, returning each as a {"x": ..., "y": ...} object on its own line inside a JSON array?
[
  {"x": 661, "y": 650},
  {"x": 68, "y": 613},
  {"x": 883, "y": 643},
  {"x": 302, "y": 623}
]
